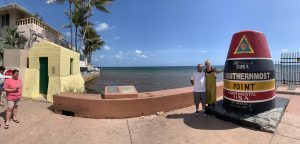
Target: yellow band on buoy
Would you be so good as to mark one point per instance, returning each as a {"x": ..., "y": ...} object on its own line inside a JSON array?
[{"x": 249, "y": 85}]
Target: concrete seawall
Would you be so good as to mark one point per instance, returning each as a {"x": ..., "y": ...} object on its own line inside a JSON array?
[
  {"x": 147, "y": 103},
  {"x": 90, "y": 75}
]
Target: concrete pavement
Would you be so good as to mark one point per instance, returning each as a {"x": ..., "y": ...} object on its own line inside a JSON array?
[{"x": 40, "y": 125}]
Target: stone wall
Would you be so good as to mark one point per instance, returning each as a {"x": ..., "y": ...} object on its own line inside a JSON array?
[
  {"x": 148, "y": 103},
  {"x": 16, "y": 59}
]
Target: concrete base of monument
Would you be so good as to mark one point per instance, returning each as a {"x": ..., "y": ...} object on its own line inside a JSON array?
[{"x": 264, "y": 121}]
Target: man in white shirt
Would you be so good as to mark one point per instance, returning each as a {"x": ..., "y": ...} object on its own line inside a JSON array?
[
  {"x": 2, "y": 79},
  {"x": 198, "y": 81}
]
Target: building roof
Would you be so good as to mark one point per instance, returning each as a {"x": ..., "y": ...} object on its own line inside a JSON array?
[
  {"x": 15, "y": 6},
  {"x": 23, "y": 10},
  {"x": 42, "y": 42}
]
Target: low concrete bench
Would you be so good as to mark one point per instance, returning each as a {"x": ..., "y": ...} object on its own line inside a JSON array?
[{"x": 147, "y": 103}]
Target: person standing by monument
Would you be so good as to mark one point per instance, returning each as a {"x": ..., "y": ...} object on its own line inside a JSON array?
[
  {"x": 198, "y": 82},
  {"x": 211, "y": 83},
  {"x": 2, "y": 79},
  {"x": 13, "y": 88}
]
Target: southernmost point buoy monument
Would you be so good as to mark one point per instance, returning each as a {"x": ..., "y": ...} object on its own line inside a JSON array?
[
  {"x": 249, "y": 96},
  {"x": 249, "y": 75}
]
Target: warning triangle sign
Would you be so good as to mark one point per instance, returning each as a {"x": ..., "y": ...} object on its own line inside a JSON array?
[{"x": 244, "y": 46}]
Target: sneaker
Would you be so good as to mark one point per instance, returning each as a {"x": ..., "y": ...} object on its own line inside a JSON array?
[
  {"x": 196, "y": 113},
  {"x": 204, "y": 114}
]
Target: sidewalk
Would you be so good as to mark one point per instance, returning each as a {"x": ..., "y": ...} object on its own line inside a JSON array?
[
  {"x": 39, "y": 125},
  {"x": 283, "y": 89}
]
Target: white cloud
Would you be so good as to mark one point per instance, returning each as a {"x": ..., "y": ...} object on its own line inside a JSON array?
[
  {"x": 284, "y": 50},
  {"x": 103, "y": 26},
  {"x": 67, "y": 34},
  {"x": 106, "y": 47},
  {"x": 96, "y": 60},
  {"x": 101, "y": 56},
  {"x": 138, "y": 51},
  {"x": 50, "y": 1},
  {"x": 143, "y": 56},
  {"x": 118, "y": 56}
]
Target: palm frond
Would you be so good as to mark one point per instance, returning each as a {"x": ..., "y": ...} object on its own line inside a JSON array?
[
  {"x": 13, "y": 39},
  {"x": 66, "y": 13}
]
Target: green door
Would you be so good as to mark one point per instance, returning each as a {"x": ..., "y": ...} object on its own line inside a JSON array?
[{"x": 43, "y": 75}]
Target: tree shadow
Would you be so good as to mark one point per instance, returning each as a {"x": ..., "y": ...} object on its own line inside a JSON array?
[{"x": 201, "y": 122}]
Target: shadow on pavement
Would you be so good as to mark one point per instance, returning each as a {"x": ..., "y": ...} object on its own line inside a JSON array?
[
  {"x": 51, "y": 108},
  {"x": 2, "y": 115},
  {"x": 201, "y": 122}
]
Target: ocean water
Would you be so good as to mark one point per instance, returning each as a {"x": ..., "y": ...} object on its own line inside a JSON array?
[{"x": 145, "y": 79}]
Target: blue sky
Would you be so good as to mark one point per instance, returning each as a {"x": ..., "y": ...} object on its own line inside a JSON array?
[{"x": 180, "y": 32}]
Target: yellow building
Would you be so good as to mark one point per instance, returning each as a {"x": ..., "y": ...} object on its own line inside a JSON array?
[{"x": 52, "y": 69}]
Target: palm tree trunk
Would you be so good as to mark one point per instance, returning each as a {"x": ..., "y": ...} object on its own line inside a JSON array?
[
  {"x": 71, "y": 29},
  {"x": 76, "y": 29},
  {"x": 90, "y": 59},
  {"x": 88, "y": 4}
]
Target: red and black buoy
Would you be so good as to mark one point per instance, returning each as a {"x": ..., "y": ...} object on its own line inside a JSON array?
[{"x": 249, "y": 75}]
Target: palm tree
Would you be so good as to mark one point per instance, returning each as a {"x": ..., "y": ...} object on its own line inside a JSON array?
[
  {"x": 70, "y": 12},
  {"x": 90, "y": 38},
  {"x": 98, "y": 4},
  {"x": 79, "y": 18},
  {"x": 13, "y": 39},
  {"x": 2, "y": 47},
  {"x": 92, "y": 41}
]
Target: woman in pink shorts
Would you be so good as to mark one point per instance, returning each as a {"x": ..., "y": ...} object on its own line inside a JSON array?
[{"x": 13, "y": 88}]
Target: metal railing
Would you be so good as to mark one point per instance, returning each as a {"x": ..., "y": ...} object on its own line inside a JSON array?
[
  {"x": 34, "y": 20},
  {"x": 45, "y": 26},
  {"x": 287, "y": 70}
]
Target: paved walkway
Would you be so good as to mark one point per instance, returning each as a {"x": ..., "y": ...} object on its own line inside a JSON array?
[{"x": 39, "y": 125}]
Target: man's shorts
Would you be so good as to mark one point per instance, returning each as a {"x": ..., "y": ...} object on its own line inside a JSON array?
[
  {"x": 1, "y": 87},
  {"x": 11, "y": 104},
  {"x": 199, "y": 97}
]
